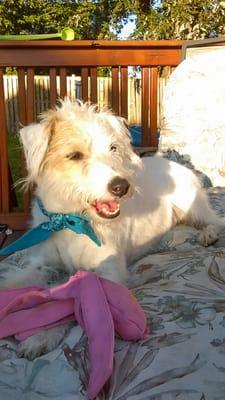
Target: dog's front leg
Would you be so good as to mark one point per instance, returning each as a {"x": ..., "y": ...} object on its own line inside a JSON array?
[
  {"x": 35, "y": 271},
  {"x": 43, "y": 341},
  {"x": 40, "y": 265},
  {"x": 113, "y": 268},
  {"x": 34, "y": 274}
]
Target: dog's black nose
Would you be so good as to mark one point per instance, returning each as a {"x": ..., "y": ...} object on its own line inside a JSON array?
[{"x": 118, "y": 186}]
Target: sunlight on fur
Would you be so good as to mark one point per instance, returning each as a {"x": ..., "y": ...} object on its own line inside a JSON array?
[{"x": 81, "y": 160}]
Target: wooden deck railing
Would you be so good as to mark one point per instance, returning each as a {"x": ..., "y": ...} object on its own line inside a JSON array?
[{"x": 58, "y": 58}]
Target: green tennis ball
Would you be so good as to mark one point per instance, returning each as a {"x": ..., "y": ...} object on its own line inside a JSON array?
[{"x": 67, "y": 34}]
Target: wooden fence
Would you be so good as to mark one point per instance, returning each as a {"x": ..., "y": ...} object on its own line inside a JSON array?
[
  {"x": 60, "y": 59},
  {"x": 74, "y": 91}
]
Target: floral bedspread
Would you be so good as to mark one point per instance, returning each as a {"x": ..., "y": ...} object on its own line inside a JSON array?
[{"x": 182, "y": 290}]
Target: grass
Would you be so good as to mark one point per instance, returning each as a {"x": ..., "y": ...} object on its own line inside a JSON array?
[{"x": 14, "y": 154}]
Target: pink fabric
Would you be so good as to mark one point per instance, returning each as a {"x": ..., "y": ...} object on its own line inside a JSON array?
[{"x": 99, "y": 306}]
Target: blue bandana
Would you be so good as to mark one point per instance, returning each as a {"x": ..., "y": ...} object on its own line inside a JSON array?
[{"x": 76, "y": 222}]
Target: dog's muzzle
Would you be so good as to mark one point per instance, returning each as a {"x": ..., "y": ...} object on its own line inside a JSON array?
[{"x": 118, "y": 187}]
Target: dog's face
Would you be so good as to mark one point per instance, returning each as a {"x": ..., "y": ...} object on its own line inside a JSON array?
[{"x": 81, "y": 160}]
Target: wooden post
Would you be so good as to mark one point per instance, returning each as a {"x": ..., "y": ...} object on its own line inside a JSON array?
[
  {"x": 4, "y": 202},
  {"x": 153, "y": 106}
]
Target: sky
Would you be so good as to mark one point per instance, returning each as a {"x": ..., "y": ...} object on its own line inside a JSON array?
[{"x": 128, "y": 29}]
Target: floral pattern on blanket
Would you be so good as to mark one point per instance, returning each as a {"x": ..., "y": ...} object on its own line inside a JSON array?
[{"x": 181, "y": 287}]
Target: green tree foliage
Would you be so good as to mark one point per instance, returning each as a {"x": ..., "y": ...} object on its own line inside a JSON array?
[
  {"x": 103, "y": 19},
  {"x": 30, "y": 16},
  {"x": 95, "y": 19},
  {"x": 179, "y": 19}
]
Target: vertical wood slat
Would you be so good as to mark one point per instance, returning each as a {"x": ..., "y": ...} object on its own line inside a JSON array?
[
  {"x": 63, "y": 86},
  {"x": 22, "y": 96},
  {"x": 53, "y": 87},
  {"x": 30, "y": 118},
  {"x": 30, "y": 96},
  {"x": 145, "y": 106},
  {"x": 153, "y": 105},
  {"x": 4, "y": 171},
  {"x": 94, "y": 90},
  {"x": 124, "y": 92},
  {"x": 115, "y": 90},
  {"x": 84, "y": 83},
  {"x": 22, "y": 110}
]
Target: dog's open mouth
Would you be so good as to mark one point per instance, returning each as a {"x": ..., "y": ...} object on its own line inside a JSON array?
[{"x": 107, "y": 209}]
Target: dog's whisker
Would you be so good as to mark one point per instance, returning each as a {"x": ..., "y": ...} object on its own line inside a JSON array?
[{"x": 138, "y": 190}]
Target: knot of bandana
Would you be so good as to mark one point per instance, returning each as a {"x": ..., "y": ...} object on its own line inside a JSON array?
[{"x": 78, "y": 223}]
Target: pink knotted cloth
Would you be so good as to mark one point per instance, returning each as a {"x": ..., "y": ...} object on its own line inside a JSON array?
[{"x": 101, "y": 307}]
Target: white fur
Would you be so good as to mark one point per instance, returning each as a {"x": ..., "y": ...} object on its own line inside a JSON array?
[
  {"x": 193, "y": 120},
  {"x": 161, "y": 194}
]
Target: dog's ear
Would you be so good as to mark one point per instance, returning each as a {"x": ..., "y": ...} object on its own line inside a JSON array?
[
  {"x": 121, "y": 126},
  {"x": 124, "y": 122},
  {"x": 133, "y": 155},
  {"x": 35, "y": 139}
]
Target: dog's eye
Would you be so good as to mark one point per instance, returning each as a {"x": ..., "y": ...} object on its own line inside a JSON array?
[
  {"x": 113, "y": 148},
  {"x": 76, "y": 156}
]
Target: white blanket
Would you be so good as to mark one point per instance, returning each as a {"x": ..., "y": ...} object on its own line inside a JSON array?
[{"x": 182, "y": 290}]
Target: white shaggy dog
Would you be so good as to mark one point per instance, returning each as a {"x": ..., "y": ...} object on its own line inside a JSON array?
[{"x": 81, "y": 160}]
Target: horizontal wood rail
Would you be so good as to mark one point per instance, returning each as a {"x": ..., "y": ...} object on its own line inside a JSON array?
[
  {"x": 58, "y": 58},
  {"x": 90, "y": 53}
]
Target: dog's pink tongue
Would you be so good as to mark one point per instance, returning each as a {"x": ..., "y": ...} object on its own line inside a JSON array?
[{"x": 109, "y": 205}]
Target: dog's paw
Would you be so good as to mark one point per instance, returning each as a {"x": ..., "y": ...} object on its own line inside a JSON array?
[
  {"x": 33, "y": 347},
  {"x": 208, "y": 235},
  {"x": 42, "y": 342}
]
